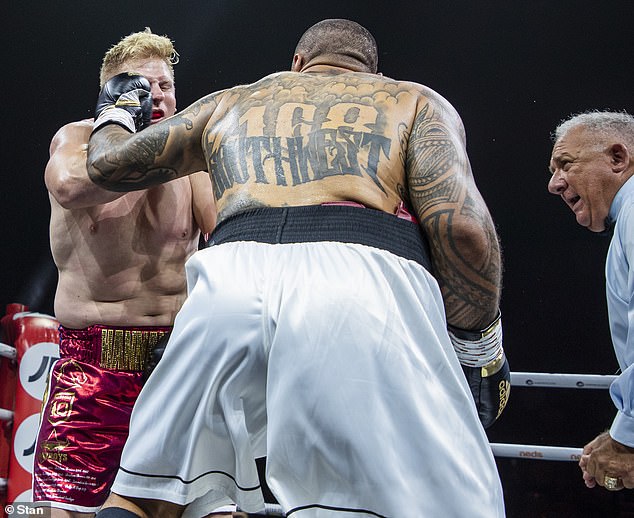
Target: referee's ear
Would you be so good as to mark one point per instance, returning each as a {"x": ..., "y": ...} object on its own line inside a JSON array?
[{"x": 619, "y": 157}]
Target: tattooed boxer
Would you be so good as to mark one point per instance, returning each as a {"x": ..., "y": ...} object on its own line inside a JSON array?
[{"x": 324, "y": 328}]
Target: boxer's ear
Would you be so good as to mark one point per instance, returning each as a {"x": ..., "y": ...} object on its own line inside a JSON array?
[{"x": 298, "y": 63}]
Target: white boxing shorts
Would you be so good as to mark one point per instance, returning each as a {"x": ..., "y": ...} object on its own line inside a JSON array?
[{"x": 332, "y": 359}]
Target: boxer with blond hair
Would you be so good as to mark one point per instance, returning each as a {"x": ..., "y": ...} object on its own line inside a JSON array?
[{"x": 120, "y": 258}]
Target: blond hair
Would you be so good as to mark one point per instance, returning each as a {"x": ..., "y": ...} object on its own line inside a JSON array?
[{"x": 138, "y": 45}]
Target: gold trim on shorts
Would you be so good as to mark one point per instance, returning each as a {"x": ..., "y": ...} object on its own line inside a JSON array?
[{"x": 127, "y": 350}]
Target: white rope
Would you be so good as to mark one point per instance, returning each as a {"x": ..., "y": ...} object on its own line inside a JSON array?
[
  {"x": 273, "y": 510},
  {"x": 270, "y": 510},
  {"x": 531, "y": 451},
  {"x": 543, "y": 379},
  {"x": 7, "y": 351},
  {"x": 5, "y": 415}
]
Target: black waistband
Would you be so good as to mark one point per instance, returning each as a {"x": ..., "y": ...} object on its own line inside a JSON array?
[{"x": 277, "y": 225}]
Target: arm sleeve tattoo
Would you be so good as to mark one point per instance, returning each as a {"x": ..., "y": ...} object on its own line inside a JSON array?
[
  {"x": 119, "y": 161},
  {"x": 464, "y": 244}
]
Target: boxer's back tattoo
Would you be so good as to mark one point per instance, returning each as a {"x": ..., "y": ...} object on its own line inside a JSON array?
[{"x": 284, "y": 138}]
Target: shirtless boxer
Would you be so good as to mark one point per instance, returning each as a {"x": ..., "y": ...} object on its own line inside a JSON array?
[
  {"x": 315, "y": 331},
  {"x": 120, "y": 258}
]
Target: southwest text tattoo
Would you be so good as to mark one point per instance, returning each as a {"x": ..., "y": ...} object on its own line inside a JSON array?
[{"x": 296, "y": 143}]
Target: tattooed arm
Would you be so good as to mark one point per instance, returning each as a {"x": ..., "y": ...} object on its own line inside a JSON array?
[
  {"x": 120, "y": 161},
  {"x": 456, "y": 220}
]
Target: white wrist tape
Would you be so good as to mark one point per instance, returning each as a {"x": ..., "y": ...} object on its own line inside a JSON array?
[
  {"x": 114, "y": 115},
  {"x": 483, "y": 350}
]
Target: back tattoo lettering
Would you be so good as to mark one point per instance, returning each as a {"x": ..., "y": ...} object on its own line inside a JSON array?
[{"x": 295, "y": 143}]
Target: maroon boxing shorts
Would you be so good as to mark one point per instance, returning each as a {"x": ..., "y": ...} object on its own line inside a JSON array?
[{"x": 86, "y": 413}]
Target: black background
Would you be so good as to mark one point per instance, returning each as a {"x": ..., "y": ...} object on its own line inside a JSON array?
[{"x": 513, "y": 69}]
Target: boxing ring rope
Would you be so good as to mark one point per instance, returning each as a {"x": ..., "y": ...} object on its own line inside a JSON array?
[
  {"x": 11, "y": 353},
  {"x": 6, "y": 351},
  {"x": 575, "y": 381},
  {"x": 549, "y": 380},
  {"x": 534, "y": 452}
]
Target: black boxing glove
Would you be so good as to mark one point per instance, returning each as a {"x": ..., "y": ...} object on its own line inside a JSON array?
[
  {"x": 155, "y": 355},
  {"x": 125, "y": 100},
  {"x": 485, "y": 367}
]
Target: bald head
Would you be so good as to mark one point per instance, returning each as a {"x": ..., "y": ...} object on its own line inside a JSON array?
[{"x": 339, "y": 42}]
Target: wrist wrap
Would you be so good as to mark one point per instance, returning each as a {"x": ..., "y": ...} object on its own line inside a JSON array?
[{"x": 485, "y": 367}]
